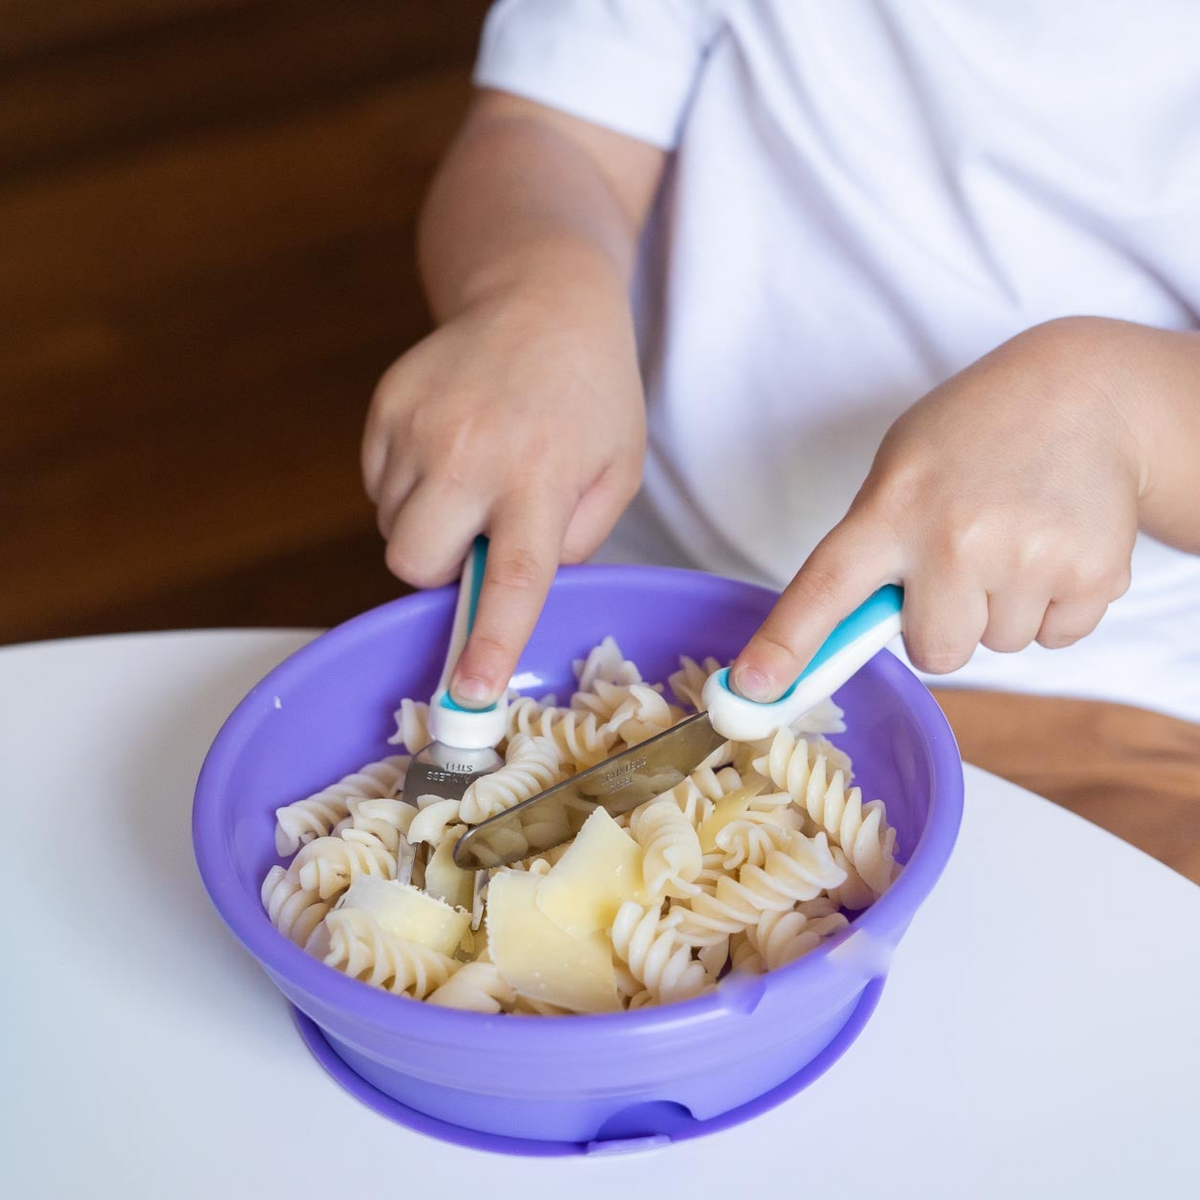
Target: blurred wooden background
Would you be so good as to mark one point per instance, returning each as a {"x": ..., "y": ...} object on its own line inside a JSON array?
[
  {"x": 206, "y": 218},
  {"x": 206, "y": 215}
]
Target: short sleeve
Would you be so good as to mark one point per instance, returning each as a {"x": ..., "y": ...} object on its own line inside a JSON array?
[{"x": 629, "y": 65}]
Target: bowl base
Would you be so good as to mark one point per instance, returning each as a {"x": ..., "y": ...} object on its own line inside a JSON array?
[{"x": 682, "y": 1126}]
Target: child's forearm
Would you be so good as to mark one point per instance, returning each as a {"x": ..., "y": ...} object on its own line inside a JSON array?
[{"x": 533, "y": 201}]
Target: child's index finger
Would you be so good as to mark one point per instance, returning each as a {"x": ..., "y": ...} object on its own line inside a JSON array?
[
  {"x": 851, "y": 562},
  {"x": 526, "y": 542}
]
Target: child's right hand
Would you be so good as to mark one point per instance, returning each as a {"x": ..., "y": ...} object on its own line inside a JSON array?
[{"x": 522, "y": 418}]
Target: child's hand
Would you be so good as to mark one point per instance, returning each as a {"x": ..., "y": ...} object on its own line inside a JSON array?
[
  {"x": 519, "y": 418},
  {"x": 1006, "y": 503}
]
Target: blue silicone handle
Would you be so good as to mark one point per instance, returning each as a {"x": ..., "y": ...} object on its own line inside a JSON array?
[
  {"x": 472, "y": 585},
  {"x": 880, "y": 607},
  {"x": 853, "y": 641}
]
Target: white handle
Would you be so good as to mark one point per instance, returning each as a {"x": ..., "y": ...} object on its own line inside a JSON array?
[
  {"x": 856, "y": 640},
  {"x": 450, "y": 723}
]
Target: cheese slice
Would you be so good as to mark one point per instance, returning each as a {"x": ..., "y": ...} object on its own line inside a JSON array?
[
  {"x": 601, "y": 869},
  {"x": 409, "y": 913},
  {"x": 538, "y": 959},
  {"x": 446, "y": 880},
  {"x": 728, "y": 809}
]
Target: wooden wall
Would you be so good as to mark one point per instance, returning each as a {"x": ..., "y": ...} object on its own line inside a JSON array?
[{"x": 206, "y": 216}]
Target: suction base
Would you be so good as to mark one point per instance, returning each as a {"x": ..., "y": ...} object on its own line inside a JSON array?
[{"x": 675, "y": 1123}]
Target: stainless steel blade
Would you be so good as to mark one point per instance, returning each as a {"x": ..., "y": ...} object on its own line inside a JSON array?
[
  {"x": 444, "y": 771},
  {"x": 618, "y": 784}
]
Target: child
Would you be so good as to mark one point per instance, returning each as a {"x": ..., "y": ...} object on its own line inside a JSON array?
[{"x": 856, "y": 236}]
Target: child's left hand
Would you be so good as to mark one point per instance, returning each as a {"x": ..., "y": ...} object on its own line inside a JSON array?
[{"x": 1005, "y": 501}]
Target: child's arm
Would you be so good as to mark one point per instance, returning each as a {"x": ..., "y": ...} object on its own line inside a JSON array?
[
  {"x": 1007, "y": 500},
  {"x": 522, "y": 415}
]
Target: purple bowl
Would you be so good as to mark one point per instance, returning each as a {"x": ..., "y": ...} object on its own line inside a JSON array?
[{"x": 327, "y": 710}]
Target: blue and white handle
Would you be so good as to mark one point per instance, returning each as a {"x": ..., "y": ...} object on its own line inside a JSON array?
[
  {"x": 450, "y": 723},
  {"x": 856, "y": 640}
]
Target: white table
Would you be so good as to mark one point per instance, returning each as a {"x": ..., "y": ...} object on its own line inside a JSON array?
[{"x": 1038, "y": 1035}]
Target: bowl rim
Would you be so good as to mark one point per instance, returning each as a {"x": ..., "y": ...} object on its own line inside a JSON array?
[{"x": 400, "y": 1015}]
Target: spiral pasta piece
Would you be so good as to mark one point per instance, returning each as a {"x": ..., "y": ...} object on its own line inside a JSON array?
[
  {"x": 752, "y": 838},
  {"x": 628, "y": 984},
  {"x": 783, "y": 937},
  {"x": 476, "y": 986},
  {"x": 316, "y": 815},
  {"x": 861, "y": 831},
  {"x": 604, "y": 701},
  {"x": 688, "y": 682},
  {"x": 384, "y": 820},
  {"x": 531, "y": 717},
  {"x": 330, "y": 864},
  {"x": 643, "y": 715},
  {"x": 605, "y": 664},
  {"x": 671, "y": 856},
  {"x": 649, "y": 948},
  {"x": 691, "y": 802},
  {"x": 822, "y": 718},
  {"x": 742, "y": 954},
  {"x": 292, "y": 909},
  {"x": 712, "y": 785},
  {"x": 435, "y": 814},
  {"x": 800, "y": 869},
  {"x": 533, "y": 765},
  {"x": 360, "y": 947},
  {"x": 412, "y": 726},
  {"x": 854, "y": 894},
  {"x": 581, "y": 739},
  {"x": 712, "y": 871},
  {"x": 785, "y": 743},
  {"x": 713, "y": 957}
]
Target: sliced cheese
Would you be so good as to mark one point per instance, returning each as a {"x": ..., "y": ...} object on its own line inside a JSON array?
[
  {"x": 538, "y": 959},
  {"x": 601, "y": 869},
  {"x": 729, "y": 808},
  {"x": 448, "y": 881},
  {"x": 409, "y": 913}
]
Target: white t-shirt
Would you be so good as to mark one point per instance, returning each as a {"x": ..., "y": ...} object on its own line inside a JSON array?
[{"x": 864, "y": 198}]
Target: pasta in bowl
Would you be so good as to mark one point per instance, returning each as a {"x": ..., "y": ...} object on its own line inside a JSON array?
[{"x": 762, "y": 897}]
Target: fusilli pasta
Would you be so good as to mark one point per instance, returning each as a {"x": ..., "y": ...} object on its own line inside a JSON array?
[
  {"x": 292, "y": 909},
  {"x": 316, "y": 815},
  {"x": 688, "y": 682},
  {"x": 533, "y": 764},
  {"x": 329, "y": 865},
  {"x": 605, "y": 663},
  {"x": 412, "y": 726},
  {"x": 860, "y": 830},
  {"x": 671, "y": 857},
  {"x": 361, "y": 948},
  {"x": 732, "y": 875},
  {"x": 647, "y": 944},
  {"x": 476, "y": 986}
]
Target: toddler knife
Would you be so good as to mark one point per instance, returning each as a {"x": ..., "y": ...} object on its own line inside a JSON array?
[
  {"x": 630, "y": 778},
  {"x": 464, "y": 740}
]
